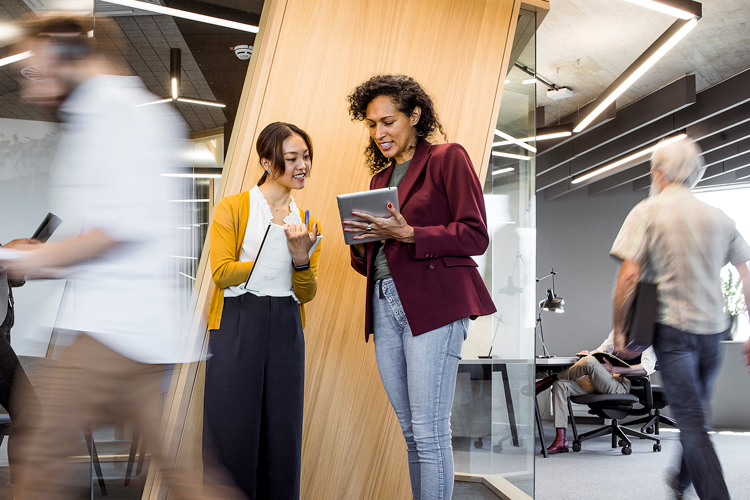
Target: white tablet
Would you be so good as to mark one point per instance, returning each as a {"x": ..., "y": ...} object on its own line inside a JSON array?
[{"x": 373, "y": 202}]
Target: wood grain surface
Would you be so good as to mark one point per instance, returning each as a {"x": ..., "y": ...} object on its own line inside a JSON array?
[{"x": 309, "y": 55}]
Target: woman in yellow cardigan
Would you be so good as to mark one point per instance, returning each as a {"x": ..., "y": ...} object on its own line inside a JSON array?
[{"x": 255, "y": 373}]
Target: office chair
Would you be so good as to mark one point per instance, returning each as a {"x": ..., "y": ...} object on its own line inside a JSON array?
[
  {"x": 615, "y": 407},
  {"x": 651, "y": 422}
]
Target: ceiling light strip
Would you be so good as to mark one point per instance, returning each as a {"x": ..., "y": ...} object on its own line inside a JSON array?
[
  {"x": 15, "y": 58},
  {"x": 167, "y": 11},
  {"x": 194, "y": 176},
  {"x": 669, "y": 39},
  {"x": 199, "y": 101},
  {"x": 503, "y": 170},
  {"x": 515, "y": 141},
  {"x": 542, "y": 137},
  {"x": 160, "y": 101},
  {"x": 627, "y": 159},
  {"x": 510, "y": 155},
  {"x": 687, "y": 8}
]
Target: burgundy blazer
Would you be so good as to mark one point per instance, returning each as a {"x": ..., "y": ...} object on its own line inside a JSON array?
[{"x": 437, "y": 280}]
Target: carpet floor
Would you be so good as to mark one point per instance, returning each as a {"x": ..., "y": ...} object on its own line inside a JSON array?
[{"x": 642, "y": 475}]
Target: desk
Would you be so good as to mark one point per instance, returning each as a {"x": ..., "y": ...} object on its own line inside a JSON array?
[
  {"x": 496, "y": 364},
  {"x": 549, "y": 365},
  {"x": 482, "y": 369}
]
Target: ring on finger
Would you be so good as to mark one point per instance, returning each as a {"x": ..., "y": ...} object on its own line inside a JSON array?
[{"x": 369, "y": 227}]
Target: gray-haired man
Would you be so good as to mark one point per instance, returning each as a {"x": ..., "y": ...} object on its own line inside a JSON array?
[{"x": 682, "y": 244}]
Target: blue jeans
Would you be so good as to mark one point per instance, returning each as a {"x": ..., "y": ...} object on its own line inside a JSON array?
[
  {"x": 419, "y": 377},
  {"x": 688, "y": 365}
]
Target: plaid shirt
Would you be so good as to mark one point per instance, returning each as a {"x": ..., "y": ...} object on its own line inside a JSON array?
[{"x": 682, "y": 244}]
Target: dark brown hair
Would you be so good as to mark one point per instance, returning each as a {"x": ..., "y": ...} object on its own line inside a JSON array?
[
  {"x": 68, "y": 35},
  {"x": 270, "y": 146},
  {"x": 406, "y": 94}
]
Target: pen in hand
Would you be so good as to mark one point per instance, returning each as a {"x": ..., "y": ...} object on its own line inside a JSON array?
[{"x": 307, "y": 218}]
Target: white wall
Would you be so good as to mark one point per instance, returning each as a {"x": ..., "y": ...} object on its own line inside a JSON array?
[
  {"x": 575, "y": 234},
  {"x": 27, "y": 150}
]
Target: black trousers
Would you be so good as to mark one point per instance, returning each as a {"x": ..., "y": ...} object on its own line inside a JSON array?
[
  {"x": 16, "y": 394},
  {"x": 254, "y": 395}
]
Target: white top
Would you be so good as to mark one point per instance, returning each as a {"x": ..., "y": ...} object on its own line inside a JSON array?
[
  {"x": 648, "y": 357},
  {"x": 107, "y": 177},
  {"x": 259, "y": 218},
  {"x": 684, "y": 243}
]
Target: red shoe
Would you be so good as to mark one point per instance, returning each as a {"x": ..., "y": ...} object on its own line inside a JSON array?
[{"x": 560, "y": 444}]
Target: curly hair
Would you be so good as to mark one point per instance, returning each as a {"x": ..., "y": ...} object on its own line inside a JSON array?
[{"x": 406, "y": 94}]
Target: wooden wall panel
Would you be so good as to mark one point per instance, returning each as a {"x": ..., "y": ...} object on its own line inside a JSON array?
[{"x": 309, "y": 55}]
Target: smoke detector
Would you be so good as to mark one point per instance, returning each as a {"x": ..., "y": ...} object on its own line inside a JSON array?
[
  {"x": 32, "y": 73},
  {"x": 243, "y": 52}
]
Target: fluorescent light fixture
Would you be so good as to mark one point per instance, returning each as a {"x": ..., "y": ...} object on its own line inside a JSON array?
[
  {"x": 185, "y": 228},
  {"x": 190, "y": 201},
  {"x": 542, "y": 137},
  {"x": 672, "y": 10},
  {"x": 160, "y": 101},
  {"x": 194, "y": 176},
  {"x": 510, "y": 155},
  {"x": 187, "y": 276},
  {"x": 669, "y": 39},
  {"x": 627, "y": 159},
  {"x": 529, "y": 81},
  {"x": 10, "y": 31},
  {"x": 555, "y": 135},
  {"x": 199, "y": 101},
  {"x": 15, "y": 58},
  {"x": 503, "y": 170},
  {"x": 167, "y": 11},
  {"x": 515, "y": 141},
  {"x": 181, "y": 257},
  {"x": 174, "y": 88}
]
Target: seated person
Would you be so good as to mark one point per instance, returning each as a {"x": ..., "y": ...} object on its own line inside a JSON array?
[{"x": 589, "y": 376}]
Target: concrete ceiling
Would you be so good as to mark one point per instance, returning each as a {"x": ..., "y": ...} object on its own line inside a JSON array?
[
  {"x": 138, "y": 43},
  {"x": 587, "y": 44}
]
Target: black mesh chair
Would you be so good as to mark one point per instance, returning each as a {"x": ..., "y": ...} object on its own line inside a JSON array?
[
  {"x": 653, "y": 419},
  {"x": 616, "y": 407}
]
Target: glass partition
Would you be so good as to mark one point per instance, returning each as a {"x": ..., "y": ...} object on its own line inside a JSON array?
[{"x": 493, "y": 412}]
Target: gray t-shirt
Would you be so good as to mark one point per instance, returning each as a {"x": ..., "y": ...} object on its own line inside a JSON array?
[
  {"x": 380, "y": 265},
  {"x": 685, "y": 244}
]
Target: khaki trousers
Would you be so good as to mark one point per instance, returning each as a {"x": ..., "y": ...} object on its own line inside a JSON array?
[
  {"x": 92, "y": 383},
  {"x": 587, "y": 376}
]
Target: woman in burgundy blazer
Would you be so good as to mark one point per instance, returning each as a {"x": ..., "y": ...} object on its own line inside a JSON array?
[{"x": 422, "y": 284}]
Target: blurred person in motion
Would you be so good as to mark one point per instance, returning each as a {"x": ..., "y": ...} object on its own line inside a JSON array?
[
  {"x": 12, "y": 376},
  {"x": 120, "y": 306},
  {"x": 255, "y": 375},
  {"x": 681, "y": 244}
]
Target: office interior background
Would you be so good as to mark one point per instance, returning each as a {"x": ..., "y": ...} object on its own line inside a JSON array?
[{"x": 505, "y": 74}]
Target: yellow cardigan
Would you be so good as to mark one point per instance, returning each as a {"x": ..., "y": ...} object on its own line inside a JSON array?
[{"x": 227, "y": 236}]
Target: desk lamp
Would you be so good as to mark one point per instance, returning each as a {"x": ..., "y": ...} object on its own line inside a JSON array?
[{"x": 551, "y": 303}]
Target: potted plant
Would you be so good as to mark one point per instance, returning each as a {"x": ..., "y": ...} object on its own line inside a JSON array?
[{"x": 734, "y": 301}]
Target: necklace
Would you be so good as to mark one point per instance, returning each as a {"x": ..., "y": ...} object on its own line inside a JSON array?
[{"x": 279, "y": 207}]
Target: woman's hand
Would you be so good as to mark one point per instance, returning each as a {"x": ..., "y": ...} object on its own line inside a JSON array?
[
  {"x": 300, "y": 242},
  {"x": 390, "y": 228}
]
